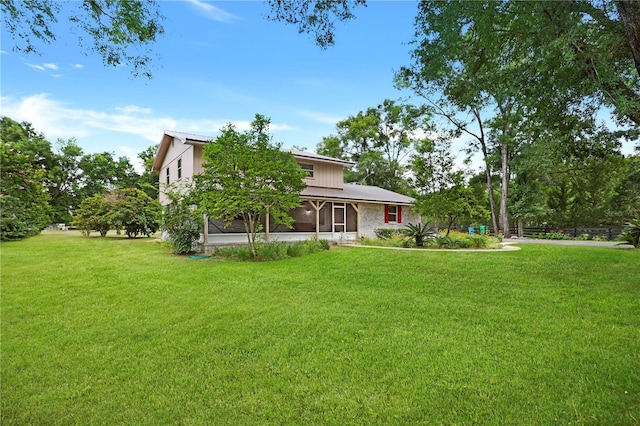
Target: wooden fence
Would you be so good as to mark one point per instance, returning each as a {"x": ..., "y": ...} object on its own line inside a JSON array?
[{"x": 610, "y": 233}]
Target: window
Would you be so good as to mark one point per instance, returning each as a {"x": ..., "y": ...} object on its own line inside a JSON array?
[
  {"x": 392, "y": 213},
  {"x": 179, "y": 168},
  {"x": 167, "y": 174},
  {"x": 307, "y": 168}
]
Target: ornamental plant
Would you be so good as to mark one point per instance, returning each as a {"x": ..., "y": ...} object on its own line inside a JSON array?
[
  {"x": 134, "y": 211},
  {"x": 93, "y": 215},
  {"x": 631, "y": 234},
  {"x": 418, "y": 231},
  {"x": 182, "y": 223}
]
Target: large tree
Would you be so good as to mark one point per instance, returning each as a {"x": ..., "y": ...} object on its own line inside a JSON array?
[
  {"x": 379, "y": 140},
  {"x": 23, "y": 198},
  {"x": 120, "y": 31},
  {"x": 440, "y": 188},
  {"x": 246, "y": 175}
]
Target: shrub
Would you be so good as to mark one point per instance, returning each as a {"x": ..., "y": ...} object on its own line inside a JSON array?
[
  {"x": 134, "y": 211},
  {"x": 392, "y": 241},
  {"x": 460, "y": 240},
  {"x": 182, "y": 224},
  {"x": 553, "y": 235},
  {"x": 388, "y": 232},
  {"x": 324, "y": 244},
  {"x": 242, "y": 252},
  {"x": 274, "y": 250},
  {"x": 631, "y": 233},
  {"x": 93, "y": 215}
]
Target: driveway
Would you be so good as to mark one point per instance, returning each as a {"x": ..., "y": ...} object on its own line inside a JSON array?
[{"x": 613, "y": 244}]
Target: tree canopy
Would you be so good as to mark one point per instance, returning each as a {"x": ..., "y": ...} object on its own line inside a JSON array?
[
  {"x": 245, "y": 175},
  {"x": 64, "y": 175},
  {"x": 121, "y": 32},
  {"x": 379, "y": 140}
]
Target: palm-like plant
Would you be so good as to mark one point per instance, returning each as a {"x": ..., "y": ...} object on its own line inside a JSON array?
[
  {"x": 631, "y": 234},
  {"x": 418, "y": 231}
]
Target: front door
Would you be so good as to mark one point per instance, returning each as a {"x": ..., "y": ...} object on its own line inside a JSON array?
[{"x": 339, "y": 217}]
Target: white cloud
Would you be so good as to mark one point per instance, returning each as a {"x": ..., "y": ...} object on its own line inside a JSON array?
[
  {"x": 78, "y": 66},
  {"x": 44, "y": 67},
  {"x": 321, "y": 117},
  {"x": 57, "y": 119},
  {"x": 213, "y": 12},
  {"x": 134, "y": 109}
]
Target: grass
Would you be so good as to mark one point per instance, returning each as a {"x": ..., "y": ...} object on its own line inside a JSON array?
[{"x": 118, "y": 331}]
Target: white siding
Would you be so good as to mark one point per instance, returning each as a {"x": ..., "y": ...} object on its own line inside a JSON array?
[{"x": 176, "y": 151}]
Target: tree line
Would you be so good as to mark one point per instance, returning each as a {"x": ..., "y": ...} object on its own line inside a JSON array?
[
  {"x": 524, "y": 82},
  {"x": 578, "y": 178},
  {"x": 42, "y": 183}
]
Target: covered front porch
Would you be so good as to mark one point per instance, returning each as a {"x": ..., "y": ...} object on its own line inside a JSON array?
[{"x": 337, "y": 221}]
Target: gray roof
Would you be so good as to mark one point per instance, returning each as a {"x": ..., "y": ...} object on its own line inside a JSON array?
[
  {"x": 184, "y": 137},
  {"x": 356, "y": 192},
  {"x": 318, "y": 157},
  {"x": 189, "y": 136}
]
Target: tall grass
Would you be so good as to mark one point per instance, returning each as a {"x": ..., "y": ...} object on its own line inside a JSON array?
[{"x": 117, "y": 331}]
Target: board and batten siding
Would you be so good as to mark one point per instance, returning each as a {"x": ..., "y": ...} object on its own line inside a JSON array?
[
  {"x": 324, "y": 175},
  {"x": 197, "y": 159}
]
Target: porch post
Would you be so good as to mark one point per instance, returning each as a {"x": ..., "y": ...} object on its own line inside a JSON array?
[
  {"x": 355, "y": 207},
  {"x": 317, "y": 210},
  {"x": 317, "y": 206},
  {"x": 205, "y": 231},
  {"x": 266, "y": 227}
]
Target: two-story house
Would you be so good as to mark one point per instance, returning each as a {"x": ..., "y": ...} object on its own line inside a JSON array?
[{"x": 331, "y": 209}]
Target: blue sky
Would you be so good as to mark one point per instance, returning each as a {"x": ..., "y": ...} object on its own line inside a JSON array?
[{"x": 219, "y": 62}]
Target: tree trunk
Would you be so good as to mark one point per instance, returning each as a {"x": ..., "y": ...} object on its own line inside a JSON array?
[
  {"x": 504, "y": 208},
  {"x": 487, "y": 168},
  {"x": 629, "y": 11},
  {"x": 520, "y": 228}
]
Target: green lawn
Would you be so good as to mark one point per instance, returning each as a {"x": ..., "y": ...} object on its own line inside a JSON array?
[{"x": 115, "y": 331}]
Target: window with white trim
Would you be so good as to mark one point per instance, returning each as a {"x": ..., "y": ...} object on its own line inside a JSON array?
[
  {"x": 168, "y": 178},
  {"x": 179, "y": 168}
]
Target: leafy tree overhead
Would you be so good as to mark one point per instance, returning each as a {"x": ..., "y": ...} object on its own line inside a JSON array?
[
  {"x": 314, "y": 17},
  {"x": 247, "y": 176},
  {"x": 120, "y": 31}
]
